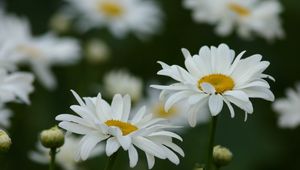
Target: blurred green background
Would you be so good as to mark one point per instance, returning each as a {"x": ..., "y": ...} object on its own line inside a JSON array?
[{"x": 257, "y": 144}]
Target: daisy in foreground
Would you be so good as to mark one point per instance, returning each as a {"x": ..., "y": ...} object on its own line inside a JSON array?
[
  {"x": 213, "y": 77},
  {"x": 99, "y": 122},
  {"x": 142, "y": 17},
  {"x": 289, "y": 108}
]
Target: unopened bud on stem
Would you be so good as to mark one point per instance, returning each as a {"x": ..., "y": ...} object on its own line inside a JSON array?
[
  {"x": 52, "y": 138},
  {"x": 221, "y": 156},
  {"x": 5, "y": 142}
]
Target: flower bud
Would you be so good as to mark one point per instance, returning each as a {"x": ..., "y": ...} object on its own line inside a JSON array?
[
  {"x": 198, "y": 169},
  {"x": 60, "y": 23},
  {"x": 96, "y": 51},
  {"x": 52, "y": 138},
  {"x": 199, "y": 166},
  {"x": 221, "y": 156},
  {"x": 5, "y": 141}
]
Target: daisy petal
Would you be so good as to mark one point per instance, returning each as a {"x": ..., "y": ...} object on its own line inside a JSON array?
[
  {"x": 133, "y": 156},
  {"x": 112, "y": 145},
  {"x": 208, "y": 88},
  {"x": 150, "y": 160},
  {"x": 215, "y": 103}
]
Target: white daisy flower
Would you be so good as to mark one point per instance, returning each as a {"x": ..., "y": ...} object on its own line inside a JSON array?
[
  {"x": 5, "y": 115},
  {"x": 289, "y": 108},
  {"x": 47, "y": 50},
  {"x": 99, "y": 122},
  {"x": 15, "y": 86},
  {"x": 67, "y": 156},
  {"x": 121, "y": 81},
  {"x": 248, "y": 17},
  {"x": 140, "y": 17},
  {"x": 13, "y": 27},
  {"x": 175, "y": 115},
  {"x": 40, "y": 52},
  {"x": 215, "y": 76},
  {"x": 97, "y": 51},
  {"x": 7, "y": 60}
]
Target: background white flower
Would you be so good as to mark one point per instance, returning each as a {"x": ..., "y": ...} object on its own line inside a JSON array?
[
  {"x": 99, "y": 121},
  {"x": 213, "y": 77},
  {"x": 47, "y": 50},
  {"x": 289, "y": 108},
  {"x": 67, "y": 154},
  {"x": 8, "y": 61},
  {"x": 176, "y": 115},
  {"x": 121, "y": 81},
  {"x": 39, "y": 52},
  {"x": 247, "y": 17},
  {"x": 141, "y": 17},
  {"x": 13, "y": 28},
  {"x": 15, "y": 86},
  {"x": 5, "y": 115}
]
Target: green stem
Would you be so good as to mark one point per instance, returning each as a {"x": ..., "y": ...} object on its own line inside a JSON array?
[
  {"x": 111, "y": 161},
  {"x": 52, "y": 159},
  {"x": 211, "y": 142}
]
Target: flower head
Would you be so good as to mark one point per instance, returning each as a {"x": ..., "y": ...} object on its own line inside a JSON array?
[
  {"x": 61, "y": 21},
  {"x": 121, "y": 81},
  {"x": 5, "y": 141},
  {"x": 39, "y": 52},
  {"x": 52, "y": 138},
  {"x": 221, "y": 156},
  {"x": 175, "y": 115},
  {"x": 15, "y": 86},
  {"x": 119, "y": 16},
  {"x": 289, "y": 108},
  {"x": 247, "y": 17},
  {"x": 99, "y": 122},
  {"x": 213, "y": 77},
  {"x": 97, "y": 51},
  {"x": 7, "y": 60}
]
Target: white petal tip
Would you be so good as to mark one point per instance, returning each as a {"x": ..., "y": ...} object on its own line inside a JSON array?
[{"x": 185, "y": 52}]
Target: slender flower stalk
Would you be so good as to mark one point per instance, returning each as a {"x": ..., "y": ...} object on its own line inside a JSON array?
[
  {"x": 52, "y": 157},
  {"x": 111, "y": 161},
  {"x": 52, "y": 138},
  {"x": 211, "y": 142}
]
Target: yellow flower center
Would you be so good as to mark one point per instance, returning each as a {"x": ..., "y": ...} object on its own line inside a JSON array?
[
  {"x": 111, "y": 9},
  {"x": 125, "y": 127},
  {"x": 240, "y": 10},
  {"x": 159, "y": 111},
  {"x": 220, "y": 82}
]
